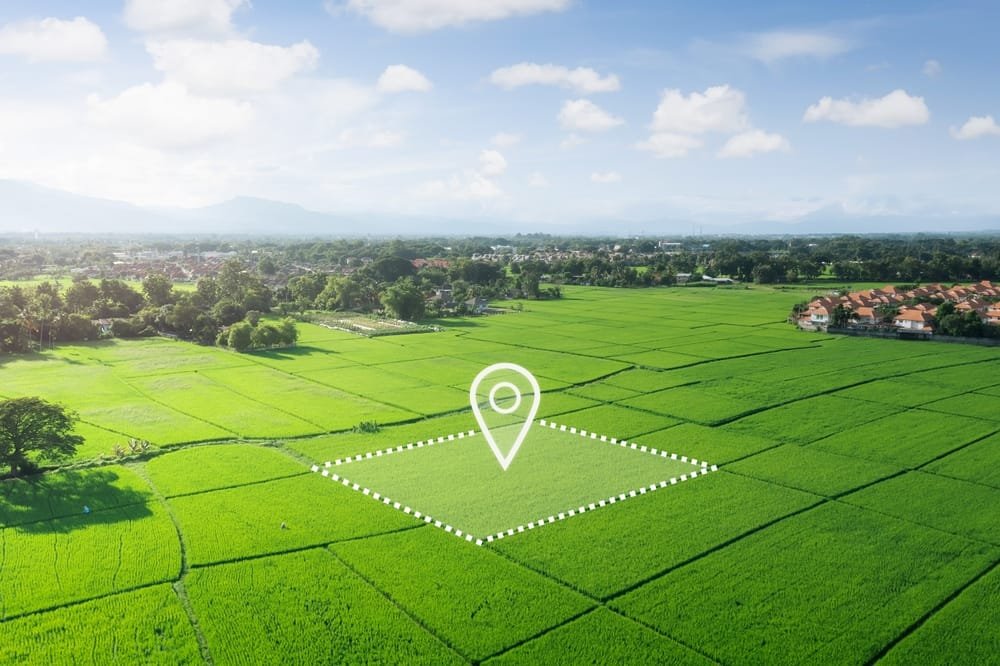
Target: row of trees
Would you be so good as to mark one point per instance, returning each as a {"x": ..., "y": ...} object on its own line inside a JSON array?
[{"x": 44, "y": 314}]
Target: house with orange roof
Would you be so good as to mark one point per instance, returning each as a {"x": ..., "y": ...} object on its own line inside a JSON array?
[{"x": 911, "y": 319}]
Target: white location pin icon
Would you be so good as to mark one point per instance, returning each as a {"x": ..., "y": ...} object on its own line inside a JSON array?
[{"x": 500, "y": 388}]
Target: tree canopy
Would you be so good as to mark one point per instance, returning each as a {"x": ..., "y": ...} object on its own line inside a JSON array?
[{"x": 32, "y": 429}]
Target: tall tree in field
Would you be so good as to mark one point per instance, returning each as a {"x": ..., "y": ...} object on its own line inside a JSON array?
[
  {"x": 159, "y": 290},
  {"x": 31, "y": 428}
]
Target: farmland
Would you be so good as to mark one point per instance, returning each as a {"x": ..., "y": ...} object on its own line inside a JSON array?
[{"x": 853, "y": 517}]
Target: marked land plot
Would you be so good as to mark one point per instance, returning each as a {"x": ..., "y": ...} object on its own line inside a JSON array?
[{"x": 455, "y": 483}]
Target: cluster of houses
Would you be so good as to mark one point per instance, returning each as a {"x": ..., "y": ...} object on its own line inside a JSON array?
[
  {"x": 176, "y": 265},
  {"x": 912, "y": 310}
]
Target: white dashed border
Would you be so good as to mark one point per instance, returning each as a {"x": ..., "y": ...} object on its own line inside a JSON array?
[{"x": 702, "y": 468}]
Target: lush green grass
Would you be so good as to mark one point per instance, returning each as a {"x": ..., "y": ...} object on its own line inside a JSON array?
[
  {"x": 812, "y": 470},
  {"x": 963, "y": 632},
  {"x": 47, "y": 496},
  {"x": 907, "y": 438},
  {"x": 49, "y": 563},
  {"x": 147, "y": 626},
  {"x": 637, "y": 540},
  {"x": 202, "y": 468},
  {"x": 601, "y": 637},
  {"x": 950, "y": 505},
  {"x": 832, "y": 584},
  {"x": 239, "y": 522},
  {"x": 750, "y": 563},
  {"x": 979, "y": 462},
  {"x": 305, "y": 608},
  {"x": 461, "y": 483},
  {"x": 509, "y": 604}
]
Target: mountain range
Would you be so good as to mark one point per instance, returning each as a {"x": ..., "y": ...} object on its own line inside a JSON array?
[{"x": 26, "y": 208}]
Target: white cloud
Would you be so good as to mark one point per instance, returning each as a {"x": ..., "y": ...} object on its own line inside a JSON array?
[
  {"x": 231, "y": 66},
  {"x": 572, "y": 141},
  {"x": 505, "y": 139},
  {"x": 167, "y": 115},
  {"x": 669, "y": 144},
  {"x": 492, "y": 163},
  {"x": 752, "y": 142},
  {"x": 777, "y": 45},
  {"x": 897, "y": 109},
  {"x": 200, "y": 16},
  {"x": 538, "y": 180},
  {"x": 718, "y": 109},
  {"x": 581, "y": 79},
  {"x": 975, "y": 127},
  {"x": 584, "y": 115},
  {"x": 400, "y": 78},
  {"x": 605, "y": 177},
  {"x": 52, "y": 39},
  {"x": 932, "y": 69},
  {"x": 469, "y": 186},
  {"x": 370, "y": 138},
  {"x": 424, "y": 15}
]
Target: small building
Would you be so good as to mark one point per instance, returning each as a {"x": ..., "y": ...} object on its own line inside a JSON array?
[
  {"x": 911, "y": 319},
  {"x": 476, "y": 305}
]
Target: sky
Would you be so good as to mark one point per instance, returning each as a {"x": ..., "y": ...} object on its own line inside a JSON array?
[{"x": 519, "y": 111}]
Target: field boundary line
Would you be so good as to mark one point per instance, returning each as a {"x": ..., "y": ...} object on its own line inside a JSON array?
[
  {"x": 919, "y": 622},
  {"x": 232, "y": 390},
  {"x": 147, "y": 396},
  {"x": 177, "y": 585},
  {"x": 299, "y": 549},
  {"x": 714, "y": 549},
  {"x": 548, "y": 630},
  {"x": 326, "y": 470},
  {"x": 402, "y": 609},
  {"x": 83, "y": 600},
  {"x": 237, "y": 485}
]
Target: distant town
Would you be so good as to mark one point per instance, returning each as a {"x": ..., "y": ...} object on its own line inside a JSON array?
[{"x": 971, "y": 310}]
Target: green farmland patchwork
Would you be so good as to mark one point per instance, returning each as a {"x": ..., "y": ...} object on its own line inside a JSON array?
[
  {"x": 834, "y": 583},
  {"x": 277, "y": 516},
  {"x": 304, "y": 608},
  {"x": 853, "y": 517},
  {"x": 148, "y": 627},
  {"x": 429, "y": 574}
]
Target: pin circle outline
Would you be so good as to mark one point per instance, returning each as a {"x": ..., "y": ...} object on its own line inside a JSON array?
[{"x": 493, "y": 394}]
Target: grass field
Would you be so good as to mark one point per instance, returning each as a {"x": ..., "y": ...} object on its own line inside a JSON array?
[{"x": 853, "y": 517}]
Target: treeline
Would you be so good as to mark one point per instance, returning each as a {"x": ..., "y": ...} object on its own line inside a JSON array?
[
  {"x": 45, "y": 314},
  {"x": 393, "y": 284}
]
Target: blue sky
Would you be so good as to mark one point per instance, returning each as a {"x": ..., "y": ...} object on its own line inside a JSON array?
[{"x": 547, "y": 111}]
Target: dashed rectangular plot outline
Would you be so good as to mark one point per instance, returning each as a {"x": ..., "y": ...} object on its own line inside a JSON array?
[{"x": 701, "y": 469}]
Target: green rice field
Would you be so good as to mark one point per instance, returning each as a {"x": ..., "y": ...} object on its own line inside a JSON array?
[{"x": 852, "y": 515}]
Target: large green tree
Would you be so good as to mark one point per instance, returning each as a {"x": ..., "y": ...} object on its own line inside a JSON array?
[
  {"x": 33, "y": 429},
  {"x": 404, "y": 300}
]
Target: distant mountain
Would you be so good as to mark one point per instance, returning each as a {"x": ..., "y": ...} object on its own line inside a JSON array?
[{"x": 27, "y": 208}]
